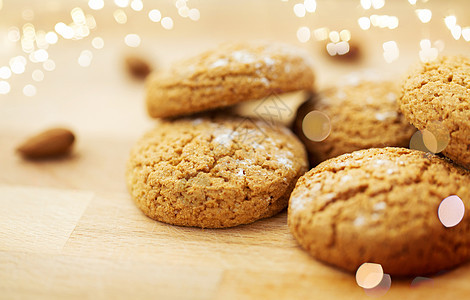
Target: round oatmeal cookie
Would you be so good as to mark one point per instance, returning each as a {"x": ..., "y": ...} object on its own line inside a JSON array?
[
  {"x": 227, "y": 75},
  {"x": 214, "y": 172},
  {"x": 440, "y": 91},
  {"x": 361, "y": 116},
  {"x": 381, "y": 206}
]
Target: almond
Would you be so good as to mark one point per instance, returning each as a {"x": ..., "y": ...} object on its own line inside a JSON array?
[
  {"x": 50, "y": 143},
  {"x": 137, "y": 67}
]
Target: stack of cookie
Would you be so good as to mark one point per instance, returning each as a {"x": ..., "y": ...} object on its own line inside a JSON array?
[
  {"x": 369, "y": 199},
  {"x": 380, "y": 205},
  {"x": 215, "y": 170}
]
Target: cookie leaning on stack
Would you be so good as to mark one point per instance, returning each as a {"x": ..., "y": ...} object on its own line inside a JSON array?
[
  {"x": 440, "y": 91},
  {"x": 216, "y": 171},
  {"x": 380, "y": 206}
]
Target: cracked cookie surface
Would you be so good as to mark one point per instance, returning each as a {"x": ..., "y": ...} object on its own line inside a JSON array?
[
  {"x": 214, "y": 172},
  {"x": 362, "y": 116},
  {"x": 381, "y": 206},
  {"x": 227, "y": 75},
  {"x": 440, "y": 91}
]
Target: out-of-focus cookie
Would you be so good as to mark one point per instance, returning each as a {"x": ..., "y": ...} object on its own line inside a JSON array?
[
  {"x": 381, "y": 206},
  {"x": 227, "y": 75},
  {"x": 439, "y": 91},
  {"x": 360, "y": 116},
  {"x": 214, "y": 172}
]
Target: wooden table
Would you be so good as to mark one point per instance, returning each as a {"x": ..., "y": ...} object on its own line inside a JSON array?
[{"x": 68, "y": 228}]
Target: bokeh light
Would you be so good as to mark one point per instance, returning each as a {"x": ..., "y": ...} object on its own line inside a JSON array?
[
  {"x": 369, "y": 275},
  {"x": 132, "y": 40},
  {"x": 451, "y": 211},
  {"x": 382, "y": 288},
  {"x": 29, "y": 90},
  {"x": 4, "y": 87},
  {"x": 316, "y": 126}
]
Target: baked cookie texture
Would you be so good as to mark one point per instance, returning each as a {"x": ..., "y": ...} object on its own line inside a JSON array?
[
  {"x": 364, "y": 115},
  {"x": 440, "y": 91},
  {"x": 226, "y": 75},
  {"x": 381, "y": 206},
  {"x": 214, "y": 172}
]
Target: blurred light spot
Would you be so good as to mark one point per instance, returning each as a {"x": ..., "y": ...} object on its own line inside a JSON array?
[
  {"x": 321, "y": 34},
  {"x": 137, "y": 5},
  {"x": 29, "y": 90},
  {"x": 382, "y": 288},
  {"x": 450, "y": 21},
  {"x": 331, "y": 49},
  {"x": 194, "y": 14},
  {"x": 377, "y": 4},
  {"x": 84, "y": 60},
  {"x": 412, "y": 2},
  {"x": 393, "y": 22},
  {"x": 436, "y": 136},
  {"x": 167, "y": 23},
  {"x": 13, "y": 34},
  {"x": 466, "y": 33},
  {"x": 391, "y": 52},
  {"x": 155, "y": 15},
  {"x": 451, "y": 211},
  {"x": 1, "y": 4},
  {"x": 122, "y": 3},
  {"x": 18, "y": 64},
  {"x": 78, "y": 16},
  {"x": 183, "y": 11},
  {"x": 132, "y": 40},
  {"x": 303, "y": 34},
  {"x": 49, "y": 65},
  {"x": 424, "y": 15},
  {"x": 120, "y": 16},
  {"x": 40, "y": 55},
  {"x": 366, "y": 4},
  {"x": 316, "y": 126},
  {"x": 96, "y": 4},
  {"x": 90, "y": 22},
  {"x": 97, "y": 43},
  {"x": 425, "y": 44},
  {"x": 180, "y": 3},
  {"x": 369, "y": 275},
  {"x": 334, "y": 36},
  {"x": 299, "y": 10},
  {"x": 28, "y": 14},
  {"x": 364, "y": 23},
  {"x": 456, "y": 32},
  {"x": 310, "y": 5},
  {"x": 440, "y": 45},
  {"x": 427, "y": 53},
  {"x": 5, "y": 72},
  {"x": 4, "y": 87},
  {"x": 345, "y": 35},
  {"x": 417, "y": 143},
  {"x": 37, "y": 75},
  {"x": 51, "y": 37},
  {"x": 64, "y": 30},
  {"x": 342, "y": 48},
  {"x": 420, "y": 281}
]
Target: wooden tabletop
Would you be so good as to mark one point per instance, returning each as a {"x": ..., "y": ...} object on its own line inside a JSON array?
[{"x": 68, "y": 227}]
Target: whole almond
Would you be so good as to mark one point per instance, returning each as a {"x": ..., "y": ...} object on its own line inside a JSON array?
[
  {"x": 50, "y": 143},
  {"x": 137, "y": 66}
]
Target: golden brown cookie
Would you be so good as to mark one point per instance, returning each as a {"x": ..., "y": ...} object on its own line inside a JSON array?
[
  {"x": 226, "y": 75},
  {"x": 440, "y": 91},
  {"x": 381, "y": 206},
  {"x": 361, "y": 116},
  {"x": 214, "y": 172}
]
